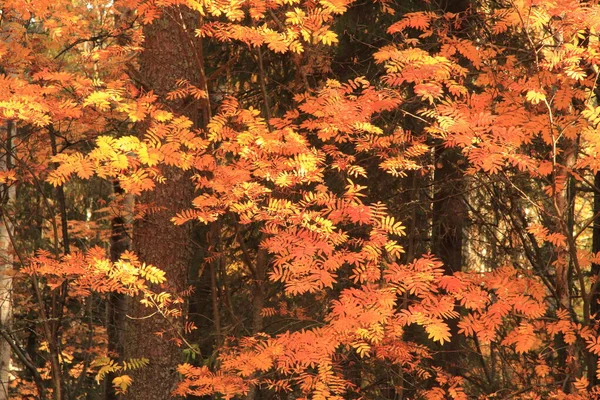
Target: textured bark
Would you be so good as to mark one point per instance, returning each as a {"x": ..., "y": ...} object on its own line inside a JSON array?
[{"x": 171, "y": 52}]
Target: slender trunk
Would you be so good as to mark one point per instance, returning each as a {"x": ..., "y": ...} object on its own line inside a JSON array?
[
  {"x": 258, "y": 297},
  {"x": 59, "y": 295},
  {"x": 566, "y": 256},
  {"x": 6, "y": 267},
  {"x": 414, "y": 228},
  {"x": 258, "y": 303},
  {"x": 200, "y": 302},
  {"x": 592, "y": 363},
  {"x": 447, "y": 235},
  {"x": 563, "y": 198},
  {"x": 448, "y": 210},
  {"x": 116, "y": 302},
  {"x": 214, "y": 265}
]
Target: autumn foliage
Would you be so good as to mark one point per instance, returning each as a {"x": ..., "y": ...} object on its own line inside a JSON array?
[{"x": 324, "y": 278}]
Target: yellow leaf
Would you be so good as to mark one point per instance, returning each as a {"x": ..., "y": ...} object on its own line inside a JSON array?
[
  {"x": 328, "y": 38},
  {"x": 121, "y": 383},
  {"x": 162, "y": 116},
  {"x": 534, "y": 96},
  {"x": 438, "y": 332}
]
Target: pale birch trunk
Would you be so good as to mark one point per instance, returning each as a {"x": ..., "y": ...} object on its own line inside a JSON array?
[{"x": 6, "y": 266}]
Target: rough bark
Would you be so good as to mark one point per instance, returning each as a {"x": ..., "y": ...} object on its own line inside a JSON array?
[{"x": 171, "y": 52}]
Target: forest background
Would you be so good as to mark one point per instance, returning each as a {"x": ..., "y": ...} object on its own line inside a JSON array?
[{"x": 293, "y": 199}]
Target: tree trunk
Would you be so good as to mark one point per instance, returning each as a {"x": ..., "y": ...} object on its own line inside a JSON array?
[
  {"x": 116, "y": 302},
  {"x": 448, "y": 210},
  {"x": 447, "y": 234},
  {"x": 6, "y": 261},
  {"x": 595, "y": 289},
  {"x": 258, "y": 303},
  {"x": 566, "y": 264},
  {"x": 171, "y": 52},
  {"x": 214, "y": 266}
]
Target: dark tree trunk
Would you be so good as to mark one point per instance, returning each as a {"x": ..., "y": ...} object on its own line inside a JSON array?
[
  {"x": 448, "y": 209},
  {"x": 116, "y": 303},
  {"x": 595, "y": 290},
  {"x": 171, "y": 52},
  {"x": 448, "y": 219}
]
